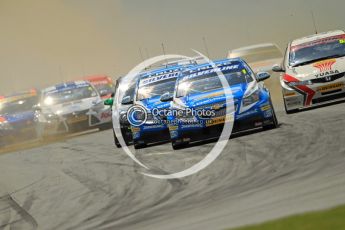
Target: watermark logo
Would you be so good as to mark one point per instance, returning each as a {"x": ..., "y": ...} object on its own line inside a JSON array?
[{"x": 137, "y": 115}]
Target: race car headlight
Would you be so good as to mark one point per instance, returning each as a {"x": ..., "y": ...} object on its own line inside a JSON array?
[
  {"x": 251, "y": 99},
  {"x": 298, "y": 83},
  {"x": 123, "y": 118}
]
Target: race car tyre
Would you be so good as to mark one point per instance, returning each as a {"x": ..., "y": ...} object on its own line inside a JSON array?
[
  {"x": 179, "y": 145},
  {"x": 117, "y": 143},
  {"x": 274, "y": 119},
  {"x": 139, "y": 145}
]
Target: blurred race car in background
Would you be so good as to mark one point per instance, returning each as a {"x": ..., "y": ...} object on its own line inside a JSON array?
[
  {"x": 260, "y": 57},
  {"x": 103, "y": 84},
  {"x": 70, "y": 107},
  {"x": 199, "y": 89},
  {"x": 17, "y": 117},
  {"x": 313, "y": 71}
]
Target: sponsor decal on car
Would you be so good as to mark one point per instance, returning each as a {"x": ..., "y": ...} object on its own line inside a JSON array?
[
  {"x": 149, "y": 80},
  {"x": 330, "y": 87},
  {"x": 219, "y": 120},
  {"x": 289, "y": 94},
  {"x": 340, "y": 38},
  {"x": 135, "y": 129},
  {"x": 326, "y": 67},
  {"x": 266, "y": 107},
  {"x": 173, "y": 128}
]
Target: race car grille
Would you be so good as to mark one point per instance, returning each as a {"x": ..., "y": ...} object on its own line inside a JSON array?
[
  {"x": 94, "y": 120},
  {"x": 221, "y": 112},
  {"x": 329, "y": 98},
  {"x": 328, "y": 78}
]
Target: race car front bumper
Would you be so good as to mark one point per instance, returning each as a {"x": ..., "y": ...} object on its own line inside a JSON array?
[
  {"x": 61, "y": 124},
  {"x": 147, "y": 134},
  {"x": 306, "y": 96},
  {"x": 257, "y": 117}
]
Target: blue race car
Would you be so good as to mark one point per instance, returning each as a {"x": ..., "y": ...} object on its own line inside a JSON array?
[
  {"x": 17, "y": 117},
  {"x": 199, "y": 88},
  {"x": 154, "y": 91}
]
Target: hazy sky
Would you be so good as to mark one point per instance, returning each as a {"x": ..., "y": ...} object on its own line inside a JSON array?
[{"x": 45, "y": 42}]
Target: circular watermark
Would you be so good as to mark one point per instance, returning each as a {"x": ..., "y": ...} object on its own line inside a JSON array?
[
  {"x": 217, "y": 149},
  {"x": 137, "y": 115}
]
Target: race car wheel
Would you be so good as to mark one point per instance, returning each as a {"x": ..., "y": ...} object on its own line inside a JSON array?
[
  {"x": 126, "y": 139},
  {"x": 138, "y": 145},
  {"x": 117, "y": 143},
  {"x": 178, "y": 145},
  {"x": 274, "y": 121}
]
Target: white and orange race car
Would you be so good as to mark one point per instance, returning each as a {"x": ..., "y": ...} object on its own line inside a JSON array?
[{"x": 313, "y": 71}]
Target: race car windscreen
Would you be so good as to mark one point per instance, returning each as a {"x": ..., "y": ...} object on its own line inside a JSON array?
[
  {"x": 130, "y": 91},
  {"x": 17, "y": 106},
  {"x": 104, "y": 89},
  {"x": 303, "y": 55},
  {"x": 69, "y": 95},
  {"x": 210, "y": 82},
  {"x": 156, "y": 89}
]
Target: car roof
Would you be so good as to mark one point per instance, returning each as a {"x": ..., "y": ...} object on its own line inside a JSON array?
[
  {"x": 161, "y": 71},
  {"x": 15, "y": 96},
  {"x": 31, "y": 92},
  {"x": 254, "y": 47},
  {"x": 315, "y": 37},
  {"x": 97, "y": 78},
  {"x": 64, "y": 85},
  {"x": 226, "y": 61}
]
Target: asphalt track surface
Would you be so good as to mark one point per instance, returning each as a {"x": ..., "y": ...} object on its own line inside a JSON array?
[{"x": 86, "y": 183}]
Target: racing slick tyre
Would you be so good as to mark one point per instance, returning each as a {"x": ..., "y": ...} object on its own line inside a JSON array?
[
  {"x": 179, "y": 145},
  {"x": 138, "y": 145},
  {"x": 116, "y": 141},
  {"x": 274, "y": 120}
]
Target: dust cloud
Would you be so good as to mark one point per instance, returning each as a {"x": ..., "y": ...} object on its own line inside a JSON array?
[{"x": 47, "y": 42}]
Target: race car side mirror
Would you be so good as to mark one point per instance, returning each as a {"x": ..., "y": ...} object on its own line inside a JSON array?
[
  {"x": 277, "y": 68},
  {"x": 109, "y": 101},
  {"x": 127, "y": 100},
  {"x": 166, "y": 97},
  {"x": 261, "y": 76}
]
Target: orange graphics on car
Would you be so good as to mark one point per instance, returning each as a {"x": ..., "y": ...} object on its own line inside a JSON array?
[{"x": 103, "y": 84}]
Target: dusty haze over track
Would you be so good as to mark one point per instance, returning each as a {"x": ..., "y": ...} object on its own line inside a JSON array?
[{"x": 46, "y": 42}]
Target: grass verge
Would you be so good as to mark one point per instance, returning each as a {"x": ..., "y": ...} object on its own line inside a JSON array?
[{"x": 329, "y": 219}]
